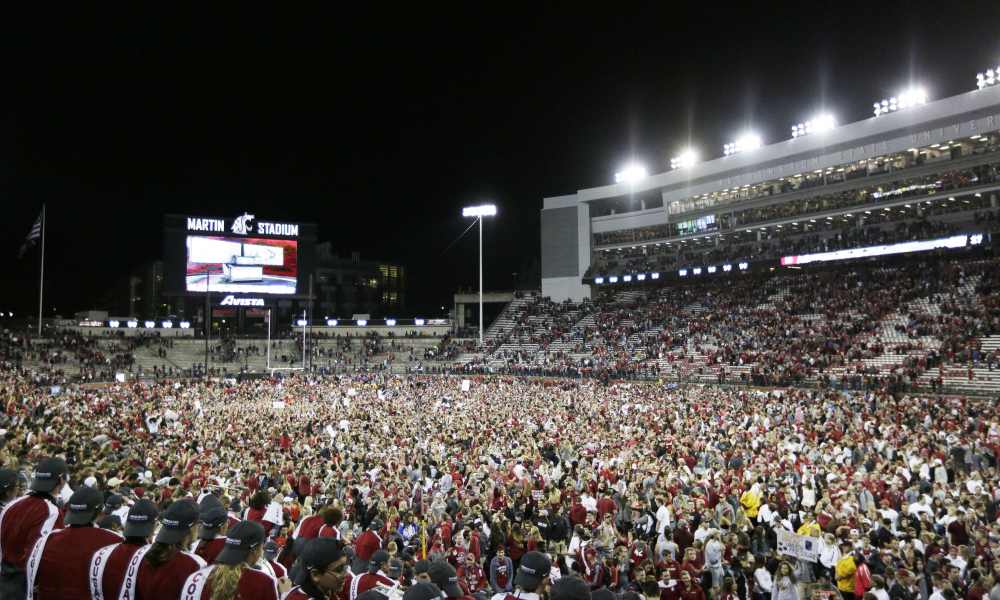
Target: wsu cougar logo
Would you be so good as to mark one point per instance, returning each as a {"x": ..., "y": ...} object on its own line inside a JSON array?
[{"x": 241, "y": 225}]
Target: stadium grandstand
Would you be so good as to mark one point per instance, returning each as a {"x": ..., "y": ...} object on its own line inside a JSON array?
[
  {"x": 919, "y": 174},
  {"x": 769, "y": 376}
]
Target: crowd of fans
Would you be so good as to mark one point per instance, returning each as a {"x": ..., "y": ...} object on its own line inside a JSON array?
[
  {"x": 791, "y": 328},
  {"x": 507, "y": 486},
  {"x": 858, "y": 230}
]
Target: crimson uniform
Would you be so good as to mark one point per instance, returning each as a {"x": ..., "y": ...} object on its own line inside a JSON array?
[
  {"x": 142, "y": 581},
  {"x": 366, "y": 545},
  {"x": 362, "y": 583},
  {"x": 208, "y": 550},
  {"x": 308, "y": 528},
  {"x": 253, "y": 585},
  {"x": 107, "y": 569},
  {"x": 328, "y": 531},
  {"x": 58, "y": 566},
  {"x": 22, "y": 522},
  {"x": 296, "y": 593}
]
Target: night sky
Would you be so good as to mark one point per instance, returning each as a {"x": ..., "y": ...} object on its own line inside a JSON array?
[{"x": 379, "y": 127}]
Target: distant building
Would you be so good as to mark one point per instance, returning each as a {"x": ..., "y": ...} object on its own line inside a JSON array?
[{"x": 348, "y": 286}]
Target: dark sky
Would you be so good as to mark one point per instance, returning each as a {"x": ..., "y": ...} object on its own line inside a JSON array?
[{"x": 379, "y": 127}]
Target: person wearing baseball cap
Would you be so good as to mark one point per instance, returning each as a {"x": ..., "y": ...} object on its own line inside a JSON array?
[
  {"x": 445, "y": 577},
  {"x": 321, "y": 571},
  {"x": 532, "y": 577},
  {"x": 108, "y": 565},
  {"x": 25, "y": 520},
  {"x": 234, "y": 574},
  {"x": 270, "y": 559},
  {"x": 214, "y": 521},
  {"x": 114, "y": 504},
  {"x": 9, "y": 486},
  {"x": 58, "y": 564},
  {"x": 375, "y": 577},
  {"x": 420, "y": 571},
  {"x": 161, "y": 568}
]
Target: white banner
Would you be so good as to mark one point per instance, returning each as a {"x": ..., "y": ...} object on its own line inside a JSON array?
[{"x": 799, "y": 546}]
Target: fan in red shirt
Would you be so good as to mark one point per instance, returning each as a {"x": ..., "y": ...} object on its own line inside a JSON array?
[
  {"x": 366, "y": 545},
  {"x": 471, "y": 576},
  {"x": 323, "y": 573},
  {"x": 58, "y": 564},
  {"x": 25, "y": 520},
  {"x": 375, "y": 577},
  {"x": 233, "y": 575},
  {"x": 108, "y": 565},
  {"x": 212, "y": 535},
  {"x": 689, "y": 590},
  {"x": 160, "y": 569},
  {"x": 264, "y": 511}
]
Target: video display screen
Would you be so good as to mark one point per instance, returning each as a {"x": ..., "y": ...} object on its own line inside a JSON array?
[
  {"x": 699, "y": 225},
  {"x": 240, "y": 265}
]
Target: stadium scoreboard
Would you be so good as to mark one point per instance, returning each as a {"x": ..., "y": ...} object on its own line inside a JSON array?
[{"x": 237, "y": 255}]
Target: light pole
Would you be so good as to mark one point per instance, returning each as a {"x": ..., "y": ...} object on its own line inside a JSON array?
[{"x": 483, "y": 210}]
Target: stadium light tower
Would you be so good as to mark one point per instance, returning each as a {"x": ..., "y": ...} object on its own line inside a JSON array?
[
  {"x": 913, "y": 96},
  {"x": 631, "y": 173},
  {"x": 988, "y": 78},
  {"x": 818, "y": 124},
  {"x": 483, "y": 210},
  {"x": 685, "y": 159},
  {"x": 744, "y": 143}
]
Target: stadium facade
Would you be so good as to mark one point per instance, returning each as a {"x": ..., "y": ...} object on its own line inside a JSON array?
[{"x": 909, "y": 163}]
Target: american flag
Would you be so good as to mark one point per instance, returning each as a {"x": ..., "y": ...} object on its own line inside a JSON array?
[{"x": 33, "y": 236}]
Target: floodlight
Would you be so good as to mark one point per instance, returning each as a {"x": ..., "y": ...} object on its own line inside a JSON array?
[
  {"x": 185, "y": 324},
  {"x": 818, "y": 124},
  {"x": 331, "y": 322},
  {"x": 113, "y": 324},
  {"x": 483, "y": 210},
  {"x": 744, "y": 143},
  {"x": 390, "y": 322},
  {"x": 419, "y": 322},
  {"x": 598, "y": 280},
  {"x": 362, "y": 322},
  {"x": 631, "y": 173},
  {"x": 167, "y": 324},
  {"x": 909, "y": 97},
  {"x": 990, "y": 77},
  {"x": 685, "y": 159}
]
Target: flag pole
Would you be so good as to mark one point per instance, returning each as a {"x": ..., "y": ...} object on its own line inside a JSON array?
[{"x": 41, "y": 276}]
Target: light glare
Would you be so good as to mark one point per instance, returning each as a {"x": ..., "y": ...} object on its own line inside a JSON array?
[
  {"x": 744, "y": 143},
  {"x": 632, "y": 173},
  {"x": 483, "y": 210}
]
